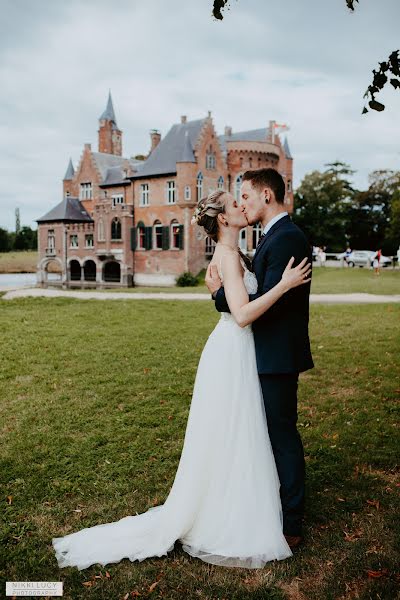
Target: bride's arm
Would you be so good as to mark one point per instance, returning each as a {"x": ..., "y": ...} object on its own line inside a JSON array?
[{"x": 245, "y": 312}]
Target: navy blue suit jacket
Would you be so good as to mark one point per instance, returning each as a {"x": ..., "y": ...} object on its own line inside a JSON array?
[{"x": 281, "y": 333}]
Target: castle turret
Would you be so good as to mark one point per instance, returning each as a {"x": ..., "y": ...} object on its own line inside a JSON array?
[{"x": 110, "y": 137}]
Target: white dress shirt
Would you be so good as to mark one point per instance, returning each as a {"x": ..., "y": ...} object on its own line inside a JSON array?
[{"x": 273, "y": 221}]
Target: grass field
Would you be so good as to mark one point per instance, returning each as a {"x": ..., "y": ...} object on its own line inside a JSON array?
[
  {"x": 95, "y": 398},
  {"x": 23, "y": 261}
]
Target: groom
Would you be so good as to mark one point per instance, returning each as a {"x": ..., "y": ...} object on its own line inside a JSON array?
[{"x": 280, "y": 334}]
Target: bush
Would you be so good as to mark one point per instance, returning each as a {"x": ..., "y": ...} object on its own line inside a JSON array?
[{"x": 187, "y": 280}]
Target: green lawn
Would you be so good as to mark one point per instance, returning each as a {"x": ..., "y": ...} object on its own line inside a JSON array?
[
  {"x": 95, "y": 398},
  {"x": 328, "y": 280}
]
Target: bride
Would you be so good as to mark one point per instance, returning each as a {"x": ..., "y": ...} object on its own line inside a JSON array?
[{"x": 224, "y": 505}]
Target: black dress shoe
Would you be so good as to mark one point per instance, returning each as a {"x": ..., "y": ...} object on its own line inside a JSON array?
[{"x": 293, "y": 540}]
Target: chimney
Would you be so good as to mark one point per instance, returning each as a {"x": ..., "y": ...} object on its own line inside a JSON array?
[
  {"x": 155, "y": 136},
  {"x": 183, "y": 119},
  {"x": 228, "y": 131}
]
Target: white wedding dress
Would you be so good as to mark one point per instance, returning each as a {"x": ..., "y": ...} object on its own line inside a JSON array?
[{"x": 224, "y": 505}]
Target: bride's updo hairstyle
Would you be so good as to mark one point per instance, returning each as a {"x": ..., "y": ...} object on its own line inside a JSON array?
[
  {"x": 207, "y": 211},
  {"x": 206, "y": 215}
]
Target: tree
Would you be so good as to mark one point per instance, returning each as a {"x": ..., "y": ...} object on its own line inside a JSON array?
[
  {"x": 372, "y": 219},
  {"x": 322, "y": 203},
  {"x": 25, "y": 239},
  {"x": 380, "y": 79},
  {"x": 5, "y": 245},
  {"x": 393, "y": 230}
]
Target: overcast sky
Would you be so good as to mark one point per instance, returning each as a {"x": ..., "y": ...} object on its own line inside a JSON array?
[{"x": 305, "y": 63}]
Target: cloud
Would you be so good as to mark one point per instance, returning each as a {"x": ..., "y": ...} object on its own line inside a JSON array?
[{"x": 304, "y": 63}]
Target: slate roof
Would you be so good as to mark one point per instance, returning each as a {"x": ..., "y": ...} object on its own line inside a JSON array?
[
  {"x": 287, "y": 149},
  {"x": 253, "y": 135},
  {"x": 70, "y": 172},
  {"x": 187, "y": 152},
  {"x": 114, "y": 174},
  {"x": 169, "y": 151},
  {"x": 69, "y": 209},
  {"x": 105, "y": 161}
]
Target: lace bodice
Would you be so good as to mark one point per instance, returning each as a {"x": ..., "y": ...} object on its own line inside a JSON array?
[{"x": 249, "y": 278}]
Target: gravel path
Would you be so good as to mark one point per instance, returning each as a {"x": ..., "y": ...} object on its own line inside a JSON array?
[{"x": 314, "y": 298}]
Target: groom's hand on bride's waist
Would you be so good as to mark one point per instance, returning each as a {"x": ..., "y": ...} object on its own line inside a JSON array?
[{"x": 212, "y": 280}]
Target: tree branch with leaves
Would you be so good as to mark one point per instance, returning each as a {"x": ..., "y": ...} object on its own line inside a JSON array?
[{"x": 389, "y": 71}]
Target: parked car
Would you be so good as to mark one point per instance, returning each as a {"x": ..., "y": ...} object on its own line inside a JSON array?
[{"x": 363, "y": 258}]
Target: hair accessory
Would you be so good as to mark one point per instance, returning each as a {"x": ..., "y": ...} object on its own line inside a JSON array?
[{"x": 196, "y": 215}]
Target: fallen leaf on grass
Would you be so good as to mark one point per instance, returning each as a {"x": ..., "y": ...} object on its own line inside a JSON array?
[
  {"x": 352, "y": 537},
  {"x": 153, "y": 586},
  {"x": 374, "y": 503},
  {"x": 340, "y": 499},
  {"x": 376, "y": 574},
  {"x": 9, "y": 499}
]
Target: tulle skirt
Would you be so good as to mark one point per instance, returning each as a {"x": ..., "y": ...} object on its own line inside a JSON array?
[{"x": 224, "y": 505}]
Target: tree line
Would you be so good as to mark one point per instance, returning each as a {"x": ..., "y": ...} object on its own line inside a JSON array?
[
  {"x": 24, "y": 239},
  {"x": 332, "y": 213}
]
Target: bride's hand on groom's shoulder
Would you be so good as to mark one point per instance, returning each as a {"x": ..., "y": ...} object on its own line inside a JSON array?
[{"x": 294, "y": 276}]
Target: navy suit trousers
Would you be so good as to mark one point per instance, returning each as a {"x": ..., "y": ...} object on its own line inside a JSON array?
[{"x": 280, "y": 401}]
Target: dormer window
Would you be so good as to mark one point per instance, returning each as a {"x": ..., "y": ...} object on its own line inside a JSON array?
[
  {"x": 86, "y": 191},
  {"x": 210, "y": 159}
]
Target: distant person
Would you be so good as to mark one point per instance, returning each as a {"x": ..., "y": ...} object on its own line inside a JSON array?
[
  {"x": 347, "y": 254},
  {"x": 322, "y": 256},
  {"x": 377, "y": 262},
  {"x": 398, "y": 257}
]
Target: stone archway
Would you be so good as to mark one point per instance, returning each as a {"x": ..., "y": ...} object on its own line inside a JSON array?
[
  {"x": 74, "y": 270},
  {"x": 112, "y": 272},
  {"x": 89, "y": 270},
  {"x": 50, "y": 270}
]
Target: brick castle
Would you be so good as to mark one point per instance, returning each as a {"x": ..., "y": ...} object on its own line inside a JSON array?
[{"x": 126, "y": 221}]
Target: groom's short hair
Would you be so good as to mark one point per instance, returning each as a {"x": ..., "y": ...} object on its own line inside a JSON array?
[{"x": 261, "y": 178}]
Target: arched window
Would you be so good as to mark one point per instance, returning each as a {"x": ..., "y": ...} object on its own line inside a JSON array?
[
  {"x": 250, "y": 162},
  {"x": 199, "y": 186},
  {"x": 257, "y": 230},
  {"x": 220, "y": 183},
  {"x": 210, "y": 247},
  {"x": 141, "y": 236},
  {"x": 157, "y": 235},
  {"x": 243, "y": 240},
  {"x": 187, "y": 192},
  {"x": 238, "y": 183},
  {"x": 116, "y": 229}
]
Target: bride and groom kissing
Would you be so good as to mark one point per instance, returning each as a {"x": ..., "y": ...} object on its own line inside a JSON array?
[{"x": 237, "y": 499}]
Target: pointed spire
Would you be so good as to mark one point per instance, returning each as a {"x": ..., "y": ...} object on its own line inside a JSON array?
[
  {"x": 187, "y": 152},
  {"x": 70, "y": 172},
  {"x": 108, "y": 114},
  {"x": 287, "y": 149}
]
